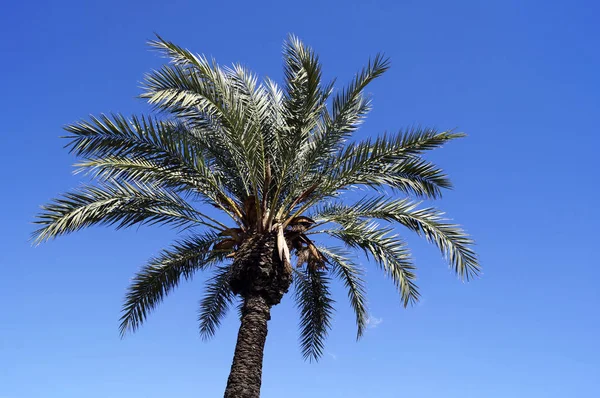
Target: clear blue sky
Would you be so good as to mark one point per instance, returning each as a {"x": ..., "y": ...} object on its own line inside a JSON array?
[{"x": 520, "y": 77}]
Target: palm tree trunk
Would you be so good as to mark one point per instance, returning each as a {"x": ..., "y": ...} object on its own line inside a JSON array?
[{"x": 246, "y": 371}]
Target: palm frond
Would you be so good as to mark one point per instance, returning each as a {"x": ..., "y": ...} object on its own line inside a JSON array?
[
  {"x": 117, "y": 203},
  {"x": 390, "y": 161},
  {"x": 190, "y": 83},
  {"x": 164, "y": 152},
  {"x": 162, "y": 274},
  {"x": 209, "y": 102},
  {"x": 352, "y": 277},
  {"x": 228, "y": 99},
  {"x": 316, "y": 309},
  {"x": 450, "y": 238},
  {"x": 305, "y": 97},
  {"x": 137, "y": 170},
  {"x": 303, "y": 104},
  {"x": 143, "y": 136},
  {"x": 195, "y": 86},
  {"x": 413, "y": 177},
  {"x": 258, "y": 138},
  {"x": 216, "y": 302},
  {"x": 388, "y": 251},
  {"x": 349, "y": 107}
]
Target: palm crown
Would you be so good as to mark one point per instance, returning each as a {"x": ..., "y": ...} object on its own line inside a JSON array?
[{"x": 275, "y": 160}]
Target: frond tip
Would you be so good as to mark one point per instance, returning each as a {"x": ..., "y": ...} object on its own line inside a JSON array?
[
  {"x": 352, "y": 277},
  {"x": 215, "y": 303},
  {"x": 314, "y": 301}
]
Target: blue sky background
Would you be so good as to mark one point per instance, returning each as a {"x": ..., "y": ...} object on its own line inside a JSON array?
[{"x": 520, "y": 77}]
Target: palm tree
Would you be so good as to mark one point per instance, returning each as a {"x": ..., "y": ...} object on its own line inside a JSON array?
[{"x": 275, "y": 162}]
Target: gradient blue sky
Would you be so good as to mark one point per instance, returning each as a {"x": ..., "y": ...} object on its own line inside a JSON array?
[{"x": 520, "y": 77}]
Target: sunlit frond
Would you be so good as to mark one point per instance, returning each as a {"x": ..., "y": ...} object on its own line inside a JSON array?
[
  {"x": 305, "y": 95},
  {"x": 304, "y": 102},
  {"x": 429, "y": 222},
  {"x": 390, "y": 160},
  {"x": 162, "y": 274},
  {"x": 388, "y": 251},
  {"x": 121, "y": 204},
  {"x": 143, "y": 149}
]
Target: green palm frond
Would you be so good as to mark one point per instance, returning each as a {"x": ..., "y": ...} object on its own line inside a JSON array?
[
  {"x": 417, "y": 140},
  {"x": 314, "y": 301},
  {"x": 275, "y": 125},
  {"x": 192, "y": 85},
  {"x": 241, "y": 110},
  {"x": 413, "y": 177},
  {"x": 177, "y": 54},
  {"x": 304, "y": 102},
  {"x": 259, "y": 134},
  {"x": 144, "y": 136},
  {"x": 146, "y": 150},
  {"x": 391, "y": 160},
  {"x": 163, "y": 273},
  {"x": 216, "y": 302},
  {"x": 349, "y": 107},
  {"x": 133, "y": 169},
  {"x": 388, "y": 251},
  {"x": 305, "y": 95},
  {"x": 429, "y": 222},
  {"x": 187, "y": 95},
  {"x": 352, "y": 277},
  {"x": 195, "y": 85},
  {"x": 224, "y": 157},
  {"x": 121, "y": 204},
  {"x": 142, "y": 149}
]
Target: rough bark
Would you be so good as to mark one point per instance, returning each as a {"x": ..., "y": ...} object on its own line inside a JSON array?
[
  {"x": 257, "y": 270},
  {"x": 261, "y": 279},
  {"x": 246, "y": 371}
]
